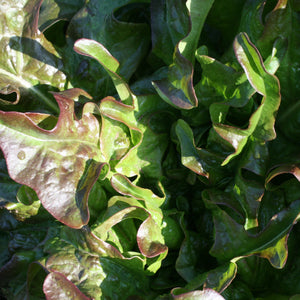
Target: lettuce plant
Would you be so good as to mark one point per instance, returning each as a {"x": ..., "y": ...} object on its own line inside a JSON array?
[{"x": 149, "y": 149}]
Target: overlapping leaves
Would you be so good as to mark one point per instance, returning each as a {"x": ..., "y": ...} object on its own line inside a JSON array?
[
  {"x": 28, "y": 60},
  {"x": 202, "y": 154}
]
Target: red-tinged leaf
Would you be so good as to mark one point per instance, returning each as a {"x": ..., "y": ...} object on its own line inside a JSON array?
[
  {"x": 61, "y": 164},
  {"x": 129, "y": 136},
  {"x": 171, "y": 29},
  {"x": 178, "y": 89},
  {"x": 138, "y": 139},
  {"x": 220, "y": 278},
  {"x": 233, "y": 241},
  {"x": 116, "y": 138},
  {"x": 198, "y": 160},
  {"x": 151, "y": 201},
  {"x": 206, "y": 294},
  {"x": 261, "y": 123},
  {"x": 96, "y": 267},
  {"x": 28, "y": 59},
  {"x": 284, "y": 169},
  {"x": 86, "y": 241},
  {"x": 57, "y": 286},
  {"x": 149, "y": 238}
]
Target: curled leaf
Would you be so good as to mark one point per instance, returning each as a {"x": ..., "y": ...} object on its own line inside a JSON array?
[
  {"x": 149, "y": 237},
  {"x": 57, "y": 286},
  {"x": 201, "y": 161},
  {"x": 206, "y": 294},
  {"x": 101, "y": 54},
  {"x": 261, "y": 123},
  {"x": 284, "y": 169},
  {"x": 61, "y": 164},
  {"x": 151, "y": 201},
  {"x": 269, "y": 243},
  {"x": 177, "y": 89},
  {"x": 28, "y": 59}
]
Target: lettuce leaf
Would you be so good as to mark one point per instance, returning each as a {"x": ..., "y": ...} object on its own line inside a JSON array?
[{"x": 149, "y": 149}]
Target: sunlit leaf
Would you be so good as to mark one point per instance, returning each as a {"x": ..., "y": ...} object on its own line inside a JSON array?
[
  {"x": 59, "y": 164},
  {"x": 206, "y": 294},
  {"x": 28, "y": 59},
  {"x": 56, "y": 286},
  {"x": 261, "y": 123}
]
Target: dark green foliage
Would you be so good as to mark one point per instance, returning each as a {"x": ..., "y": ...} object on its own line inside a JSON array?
[{"x": 150, "y": 149}]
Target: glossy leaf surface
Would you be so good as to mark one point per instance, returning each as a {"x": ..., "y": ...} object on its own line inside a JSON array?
[
  {"x": 57, "y": 164},
  {"x": 28, "y": 59},
  {"x": 164, "y": 162},
  {"x": 261, "y": 123}
]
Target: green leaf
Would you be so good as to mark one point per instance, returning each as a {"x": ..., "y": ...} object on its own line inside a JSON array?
[
  {"x": 278, "y": 24},
  {"x": 201, "y": 161},
  {"x": 277, "y": 254},
  {"x": 125, "y": 187},
  {"x": 122, "y": 233},
  {"x": 84, "y": 240},
  {"x": 28, "y": 59},
  {"x": 13, "y": 273},
  {"x": 220, "y": 84},
  {"x": 255, "y": 158},
  {"x": 97, "y": 51},
  {"x": 238, "y": 242},
  {"x": 60, "y": 165},
  {"x": 96, "y": 21},
  {"x": 217, "y": 279},
  {"x": 141, "y": 115},
  {"x": 8, "y": 187},
  {"x": 252, "y": 19},
  {"x": 249, "y": 194},
  {"x": 222, "y": 24},
  {"x": 149, "y": 238},
  {"x": 261, "y": 123},
  {"x": 148, "y": 122},
  {"x": 170, "y": 24},
  {"x": 220, "y": 278},
  {"x": 79, "y": 254},
  {"x": 177, "y": 88},
  {"x": 5, "y": 255},
  {"x": 264, "y": 83},
  {"x": 186, "y": 264},
  {"x": 35, "y": 278},
  {"x": 190, "y": 156},
  {"x": 128, "y": 42},
  {"x": 123, "y": 136},
  {"x": 28, "y": 205},
  {"x": 52, "y": 11},
  {"x": 150, "y": 201},
  {"x": 198, "y": 11}
]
